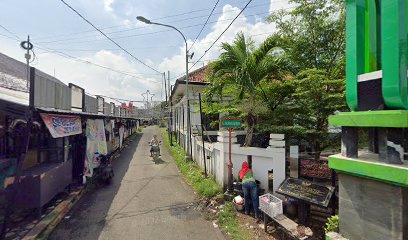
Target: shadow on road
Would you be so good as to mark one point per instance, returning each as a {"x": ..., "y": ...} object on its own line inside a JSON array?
[
  {"x": 159, "y": 161},
  {"x": 87, "y": 218}
]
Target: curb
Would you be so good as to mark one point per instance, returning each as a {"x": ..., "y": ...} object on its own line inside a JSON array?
[{"x": 43, "y": 228}]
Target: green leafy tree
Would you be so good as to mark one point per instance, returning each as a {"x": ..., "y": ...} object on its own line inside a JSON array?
[
  {"x": 315, "y": 99},
  {"x": 312, "y": 36},
  {"x": 236, "y": 79}
]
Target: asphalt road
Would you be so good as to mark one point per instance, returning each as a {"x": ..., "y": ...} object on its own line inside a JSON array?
[{"x": 145, "y": 201}]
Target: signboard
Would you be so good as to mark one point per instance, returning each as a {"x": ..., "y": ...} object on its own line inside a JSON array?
[
  {"x": 77, "y": 97},
  {"x": 101, "y": 102},
  {"x": 95, "y": 143},
  {"x": 62, "y": 125},
  {"x": 307, "y": 191},
  {"x": 231, "y": 123}
]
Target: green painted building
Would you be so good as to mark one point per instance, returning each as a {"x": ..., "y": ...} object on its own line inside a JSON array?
[{"x": 373, "y": 182}]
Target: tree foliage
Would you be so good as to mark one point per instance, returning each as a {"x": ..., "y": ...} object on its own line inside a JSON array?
[
  {"x": 316, "y": 98},
  {"x": 292, "y": 81},
  {"x": 236, "y": 78},
  {"x": 313, "y": 35}
]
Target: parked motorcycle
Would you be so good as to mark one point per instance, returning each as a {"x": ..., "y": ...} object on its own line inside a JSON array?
[{"x": 105, "y": 170}]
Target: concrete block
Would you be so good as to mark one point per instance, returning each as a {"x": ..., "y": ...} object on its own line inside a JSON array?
[
  {"x": 369, "y": 209},
  {"x": 349, "y": 142},
  {"x": 277, "y": 149},
  {"x": 390, "y": 145},
  {"x": 277, "y": 143},
  {"x": 277, "y": 136},
  {"x": 335, "y": 236}
]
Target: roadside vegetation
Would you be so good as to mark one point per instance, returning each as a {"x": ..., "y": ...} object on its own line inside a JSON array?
[
  {"x": 229, "y": 221},
  {"x": 205, "y": 187},
  {"x": 290, "y": 82}
]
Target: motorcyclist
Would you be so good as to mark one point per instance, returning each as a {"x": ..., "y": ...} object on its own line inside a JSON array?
[{"x": 155, "y": 141}]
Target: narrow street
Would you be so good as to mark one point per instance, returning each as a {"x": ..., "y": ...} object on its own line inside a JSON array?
[{"x": 144, "y": 201}]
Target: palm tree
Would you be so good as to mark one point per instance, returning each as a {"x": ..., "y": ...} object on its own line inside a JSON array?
[{"x": 244, "y": 66}]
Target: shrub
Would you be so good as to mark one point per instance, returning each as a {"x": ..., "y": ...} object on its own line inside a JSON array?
[{"x": 332, "y": 225}]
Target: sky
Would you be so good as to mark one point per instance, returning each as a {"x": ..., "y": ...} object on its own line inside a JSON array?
[{"x": 68, "y": 48}]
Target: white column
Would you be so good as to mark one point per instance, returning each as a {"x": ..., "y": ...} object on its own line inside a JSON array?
[{"x": 277, "y": 144}]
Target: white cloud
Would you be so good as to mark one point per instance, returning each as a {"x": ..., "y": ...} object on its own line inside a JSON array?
[
  {"x": 258, "y": 31},
  {"x": 107, "y": 4},
  {"x": 100, "y": 81},
  {"x": 279, "y": 4}
]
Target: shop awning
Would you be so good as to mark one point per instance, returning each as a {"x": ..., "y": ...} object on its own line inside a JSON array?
[{"x": 85, "y": 114}]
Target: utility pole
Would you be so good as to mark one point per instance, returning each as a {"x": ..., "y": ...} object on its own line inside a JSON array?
[
  {"x": 170, "y": 106},
  {"x": 165, "y": 85},
  {"x": 27, "y": 45},
  {"x": 151, "y": 105},
  {"x": 147, "y": 102},
  {"x": 188, "y": 135}
]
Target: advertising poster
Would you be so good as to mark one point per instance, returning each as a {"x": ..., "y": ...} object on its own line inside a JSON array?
[
  {"x": 95, "y": 143},
  {"x": 62, "y": 125}
]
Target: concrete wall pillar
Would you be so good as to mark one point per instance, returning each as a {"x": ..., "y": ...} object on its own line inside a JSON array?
[{"x": 372, "y": 210}]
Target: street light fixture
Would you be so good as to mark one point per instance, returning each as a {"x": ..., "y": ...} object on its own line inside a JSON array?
[{"x": 142, "y": 19}]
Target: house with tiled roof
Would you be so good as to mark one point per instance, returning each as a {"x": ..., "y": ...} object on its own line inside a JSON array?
[{"x": 196, "y": 84}]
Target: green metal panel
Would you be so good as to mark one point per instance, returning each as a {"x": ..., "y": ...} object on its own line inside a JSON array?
[
  {"x": 395, "y": 174},
  {"x": 355, "y": 49},
  {"x": 385, "y": 118},
  {"x": 372, "y": 36},
  {"x": 394, "y": 55}
]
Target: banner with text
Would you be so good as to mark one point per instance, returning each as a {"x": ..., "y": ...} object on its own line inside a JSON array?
[
  {"x": 96, "y": 143},
  {"x": 62, "y": 125}
]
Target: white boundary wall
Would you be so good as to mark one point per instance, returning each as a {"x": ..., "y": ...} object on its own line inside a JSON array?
[{"x": 263, "y": 159}]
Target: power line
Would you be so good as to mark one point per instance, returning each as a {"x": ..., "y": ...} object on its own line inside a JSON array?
[
  {"x": 153, "y": 19},
  {"x": 121, "y": 99},
  {"x": 204, "y": 24},
  {"x": 144, "y": 27},
  {"x": 115, "y": 49},
  {"x": 66, "y": 55},
  {"x": 13, "y": 34},
  {"x": 142, "y": 48},
  {"x": 207, "y": 60},
  {"x": 137, "y": 59},
  {"x": 149, "y": 33},
  {"x": 205, "y": 52},
  {"x": 16, "y": 38}
]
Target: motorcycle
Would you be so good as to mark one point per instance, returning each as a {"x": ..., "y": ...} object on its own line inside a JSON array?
[
  {"x": 155, "y": 151},
  {"x": 105, "y": 170}
]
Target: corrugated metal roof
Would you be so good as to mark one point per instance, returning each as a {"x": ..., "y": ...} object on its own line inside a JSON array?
[
  {"x": 14, "y": 96},
  {"x": 59, "y": 111},
  {"x": 18, "y": 69}
]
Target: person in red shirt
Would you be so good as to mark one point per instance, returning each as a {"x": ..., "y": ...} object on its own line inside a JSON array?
[{"x": 250, "y": 189}]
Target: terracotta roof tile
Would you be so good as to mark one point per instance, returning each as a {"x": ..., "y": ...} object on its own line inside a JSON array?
[{"x": 197, "y": 75}]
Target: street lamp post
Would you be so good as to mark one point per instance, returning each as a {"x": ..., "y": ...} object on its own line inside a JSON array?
[
  {"x": 142, "y": 19},
  {"x": 147, "y": 103},
  {"x": 151, "y": 105}
]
